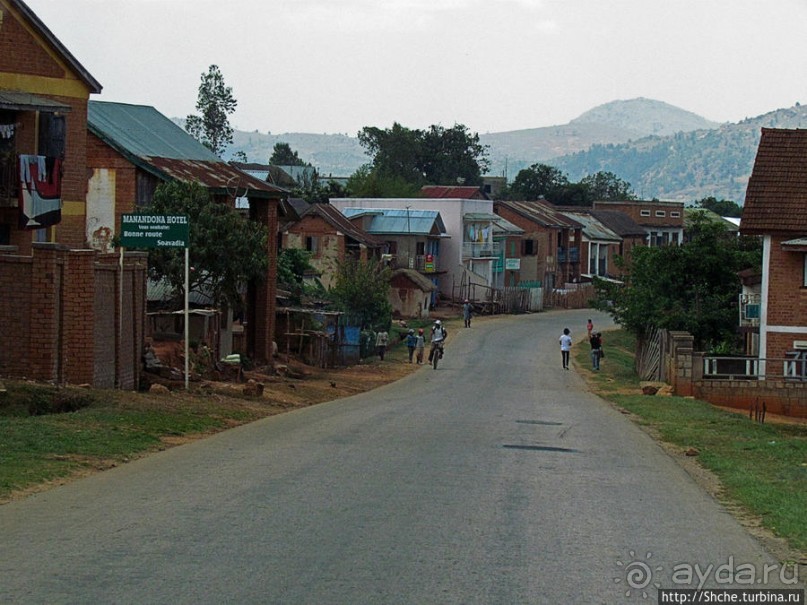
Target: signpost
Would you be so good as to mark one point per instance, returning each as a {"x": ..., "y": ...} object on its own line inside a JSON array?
[{"x": 157, "y": 231}]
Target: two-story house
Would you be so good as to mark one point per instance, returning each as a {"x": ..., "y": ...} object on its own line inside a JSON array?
[
  {"x": 663, "y": 221},
  {"x": 331, "y": 238},
  {"x": 473, "y": 251},
  {"x": 550, "y": 245},
  {"x": 776, "y": 210}
]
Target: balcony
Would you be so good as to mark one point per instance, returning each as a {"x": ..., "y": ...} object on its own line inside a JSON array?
[
  {"x": 420, "y": 263},
  {"x": 481, "y": 249}
]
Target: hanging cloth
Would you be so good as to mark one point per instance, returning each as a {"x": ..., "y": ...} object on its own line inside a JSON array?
[{"x": 40, "y": 198}]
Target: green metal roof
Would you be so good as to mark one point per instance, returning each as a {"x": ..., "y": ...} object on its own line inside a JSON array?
[{"x": 144, "y": 132}]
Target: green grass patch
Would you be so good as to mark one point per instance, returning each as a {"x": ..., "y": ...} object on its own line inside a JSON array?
[
  {"x": 43, "y": 439},
  {"x": 762, "y": 467}
]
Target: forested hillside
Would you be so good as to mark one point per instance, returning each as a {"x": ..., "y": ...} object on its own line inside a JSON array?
[{"x": 686, "y": 166}]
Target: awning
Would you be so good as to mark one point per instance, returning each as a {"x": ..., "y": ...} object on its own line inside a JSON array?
[
  {"x": 25, "y": 101},
  {"x": 795, "y": 245}
]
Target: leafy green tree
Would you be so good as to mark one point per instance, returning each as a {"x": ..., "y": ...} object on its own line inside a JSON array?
[
  {"x": 362, "y": 290},
  {"x": 437, "y": 156},
  {"x": 721, "y": 207},
  {"x": 606, "y": 186},
  {"x": 396, "y": 152},
  {"x": 215, "y": 102},
  {"x": 692, "y": 287},
  {"x": 367, "y": 182},
  {"x": 452, "y": 155},
  {"x": 226, "y": 250},
  {"x": 538, "y": 181},
  {"x": 283, "y": 155}
]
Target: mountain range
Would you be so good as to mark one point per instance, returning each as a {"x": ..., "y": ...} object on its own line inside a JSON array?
[{"x": 664, "y": 152}]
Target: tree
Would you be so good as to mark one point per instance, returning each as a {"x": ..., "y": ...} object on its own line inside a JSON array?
[
  {"x": 226, "y": 250},
  {"x": 396, "y": 152},
  {"x": 692, "y": 287},
  {"x": 215, "y": 102},
  {"x": 283, "y": 155},
  {"x": 721, "y": 207},
  {"x": 538, "y": 181},
  {"x": 437, "y": 156},
  {"x": 362, "y": 289},
  {"x": 452, "y": 155},
  {"x": 606, "y": 186},
  {"x": 367, "y": 182}
]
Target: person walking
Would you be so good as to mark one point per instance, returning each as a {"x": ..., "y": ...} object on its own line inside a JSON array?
[
  {"x": 411, "y": 343},
  {"x": 381, "y": 340},
  {"x": 565, "y": 347},
  {"x": 590, "y": 329},
  {"x": 596, "y": 351},
  {"x": 420, "y": 346},
  {"x": 467, "y": 313}
]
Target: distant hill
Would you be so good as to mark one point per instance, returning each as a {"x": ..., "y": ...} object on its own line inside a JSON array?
[
  {"x": 611, "y": 123},
  {"x": 330, "y": 154},
  {"x": 665, "y": 152},
  {"x": 686, "y": 166}
]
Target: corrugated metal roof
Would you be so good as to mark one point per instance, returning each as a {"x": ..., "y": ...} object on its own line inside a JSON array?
[
  {"x": 620, "y": 223},
  {"x": 542, "y": 213},
  {"x": 341, "y": 223},
  {"x": 500, "y": 225},
  {"x": 25, "y": 101},
  {"x": 145, "y": 132},
  {"x": 594, "y": 229},
  {"x": 389, "y": 221},
  {"x": 156, "y": 144}
]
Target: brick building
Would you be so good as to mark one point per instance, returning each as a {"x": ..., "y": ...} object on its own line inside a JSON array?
[
  {"x": 331, "y": 238},
  {"x": 132, "y": 149},
  {"x": 550, "y": 245},
  {"x": 63, "y": 318},
  {"x": 776, "y": 210},
  {"x": 663, "y": 221}
]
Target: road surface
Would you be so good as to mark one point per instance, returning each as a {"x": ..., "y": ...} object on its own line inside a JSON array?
[{"x": 495, "y": 479}]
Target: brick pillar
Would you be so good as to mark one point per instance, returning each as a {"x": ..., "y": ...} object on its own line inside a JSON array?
[
  {"x": 44, "y": 338},
  {"x": 262, "y": 295},
  {"x": 78, "y": 317}
]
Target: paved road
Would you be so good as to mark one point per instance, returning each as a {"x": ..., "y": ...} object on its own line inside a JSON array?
[{"x": 495, "y": 479}]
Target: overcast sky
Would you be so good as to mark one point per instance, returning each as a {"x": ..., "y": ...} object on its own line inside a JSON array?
[{"x": 334, "y": 66}]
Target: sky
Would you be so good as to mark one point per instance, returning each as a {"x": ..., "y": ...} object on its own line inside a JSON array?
[{"x": 336, "y": 66}]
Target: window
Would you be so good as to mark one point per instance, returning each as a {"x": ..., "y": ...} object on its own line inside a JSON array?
[
  {"x": 529, "y": 247},
  {"x": 312, "y": 243},
  {"x": 644, "y": 213},
  {"x": 675, "y": 214},
  {"x": 420, "y": 248},
  {"x": 52, "y": 134},
  {"x": 660, "y": 214}
]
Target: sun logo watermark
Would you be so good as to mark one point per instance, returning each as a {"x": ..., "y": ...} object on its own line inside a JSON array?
[{"x": 638, "y": 574}]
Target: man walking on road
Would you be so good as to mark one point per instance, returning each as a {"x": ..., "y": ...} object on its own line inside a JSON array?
[{"x": 565, "y": 347}]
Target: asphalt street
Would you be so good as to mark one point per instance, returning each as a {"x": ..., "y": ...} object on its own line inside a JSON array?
[{"x": 495, "y": 479}]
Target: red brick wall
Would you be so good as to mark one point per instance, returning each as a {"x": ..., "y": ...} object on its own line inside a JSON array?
[
  {"x": 59, "y": 305},
  {"x": 15, "y": 302},
  {"x": 634, "y": 210},
  {"x": 20, "y": 52}
]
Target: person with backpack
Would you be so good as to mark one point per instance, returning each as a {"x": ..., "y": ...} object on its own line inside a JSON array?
[{"x": 411, "y": 343}]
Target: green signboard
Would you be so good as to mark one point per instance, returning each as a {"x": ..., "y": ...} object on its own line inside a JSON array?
[{"x": 154, "y": 231}]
